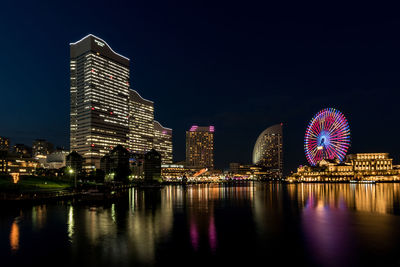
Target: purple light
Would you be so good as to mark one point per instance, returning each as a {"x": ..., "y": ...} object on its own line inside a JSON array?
[
  {"x": 327, "y": 136},
  {"x": 194, "y": 235},
  {"x": 212, "y": 129},
  {"x": 212, "y": 234},
  {"x": 164, "y": 132},
  {"x": 194, "y": 128}
]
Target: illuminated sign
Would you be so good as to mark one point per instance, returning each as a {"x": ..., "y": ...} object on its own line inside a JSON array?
[{"x": 99, "y": 43}]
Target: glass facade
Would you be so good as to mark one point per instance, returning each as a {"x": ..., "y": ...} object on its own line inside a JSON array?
[{"x": 268, "y": 150}]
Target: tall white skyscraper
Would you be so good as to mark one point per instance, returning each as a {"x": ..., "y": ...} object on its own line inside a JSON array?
[
  {"x": 99, "y": 99},
  {"x": 105, "y": 112}
]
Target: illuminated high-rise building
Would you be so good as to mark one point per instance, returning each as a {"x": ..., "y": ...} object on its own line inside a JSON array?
[
  {"x": 200, "y": 147},
  {"x": 163, "y": 142},
  {"x": 268, "y": 150},
  {"x": 141, "y": 123},
  {"x": 99, "y": 93}
]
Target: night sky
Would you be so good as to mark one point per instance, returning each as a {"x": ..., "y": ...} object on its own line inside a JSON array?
[{"x": 240, "y": 66}]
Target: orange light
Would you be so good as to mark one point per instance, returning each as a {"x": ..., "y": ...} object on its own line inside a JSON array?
[
  {"x": 15, "y": 177},
  {"x": 14, "y": 236}
]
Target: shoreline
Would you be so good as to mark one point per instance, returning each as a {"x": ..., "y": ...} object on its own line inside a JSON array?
[{"x": 108, "y": 192}]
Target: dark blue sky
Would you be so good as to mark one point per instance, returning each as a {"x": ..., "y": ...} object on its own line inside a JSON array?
[{"x": 241, "y": 66}]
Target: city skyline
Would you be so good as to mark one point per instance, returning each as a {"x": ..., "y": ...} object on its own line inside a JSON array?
[
  {"x": 146, "y": 133},
  {"x": 288, "y": 59}
]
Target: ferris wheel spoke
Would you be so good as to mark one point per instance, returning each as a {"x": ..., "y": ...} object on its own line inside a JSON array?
[{"x": 336, "y": 131}]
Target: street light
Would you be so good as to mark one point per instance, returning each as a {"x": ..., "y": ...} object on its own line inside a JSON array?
[{"x": 71, "y": 171}]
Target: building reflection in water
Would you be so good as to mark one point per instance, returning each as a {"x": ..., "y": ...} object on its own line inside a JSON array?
[
  {"x": 135, "y": 226},
  {"x": 132, "y": 227},
  {"x": 377, "y": 198},
  {"x": 36, "y": 217},
  {"x": 326, "y": 230},
  {"x": 194, "y": 235},
  {"x": 70, "y": 223},
  {"x": 199, "y": 207},
  {"x": 268, "y": 209},
  {"x": 150, "y": 222},
  {"x": 327, "y": 218},
  {"x": 39, "y": 214},
  {"x": 14, "y": 235},
  {"x": 320, "y": 222},
  {"x": 200, "y": 203}
]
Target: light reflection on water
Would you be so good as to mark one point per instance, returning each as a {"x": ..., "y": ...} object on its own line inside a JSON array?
[
  {"x": 14, "y": 236},
  {"x": 317, "y": 224}
]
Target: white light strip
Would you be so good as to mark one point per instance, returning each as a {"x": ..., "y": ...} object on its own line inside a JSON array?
[
  {"x": 100, "y": 40},
  {"x": 140, "y": 95},
  {"x": 162, "y": 126}
]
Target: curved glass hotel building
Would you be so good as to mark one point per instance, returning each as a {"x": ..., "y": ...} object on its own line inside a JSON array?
[{"x": 268, "y": 149}]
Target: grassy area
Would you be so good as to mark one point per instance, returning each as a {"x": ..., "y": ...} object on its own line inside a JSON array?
[{"x": 33, "y": 183}]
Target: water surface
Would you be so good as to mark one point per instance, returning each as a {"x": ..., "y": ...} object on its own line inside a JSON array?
[{"x": 239, "y": 225}]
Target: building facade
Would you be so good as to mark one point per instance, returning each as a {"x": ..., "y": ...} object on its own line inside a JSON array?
[
  {"x": 22, "y": 149},
  {"x": 141, "y": 126},
  {"x": 357, "y": 167},
  {"x": 4, "y": 143},
  {"x": 16, "y": 164},
  {"x": 163, "y": 142},
  {"x": 173, "y": 171},
  {"x": 74, "y": 161},
  {"x": 105, "y": 112},
  {"x": 56, "y": 160},
  {"x": 41, "y": 147},
  {"x": 200, "y": 147},
  {"x": 99, "y": 104},
  {"x": 116, "y": 164},
  {"x": 370, "y": 161},
  {"x": 152, "y": 166},
  {"x": 268, "y": 150}
]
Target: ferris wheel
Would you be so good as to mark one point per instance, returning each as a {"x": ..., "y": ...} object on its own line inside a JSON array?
[{"x": 327, "y": 136}]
